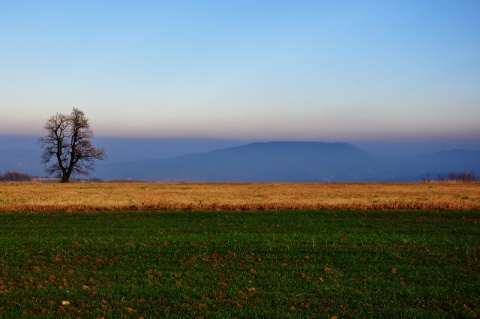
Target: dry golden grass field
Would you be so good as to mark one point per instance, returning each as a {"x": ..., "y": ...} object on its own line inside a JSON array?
[{"x": 236, "y": 196}]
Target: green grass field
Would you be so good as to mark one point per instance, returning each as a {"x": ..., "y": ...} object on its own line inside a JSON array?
[{"x": 292, "y": 264}]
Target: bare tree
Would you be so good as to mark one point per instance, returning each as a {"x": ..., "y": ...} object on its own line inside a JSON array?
[{"x": 67, "y": 149}]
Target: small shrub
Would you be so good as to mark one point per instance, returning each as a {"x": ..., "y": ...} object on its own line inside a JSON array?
[
  {"x": 464, "y": 177},
  {"x": 16, "y": 177}
]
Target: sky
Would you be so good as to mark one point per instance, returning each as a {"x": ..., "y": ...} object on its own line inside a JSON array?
[{"x": 332, "y": 70}]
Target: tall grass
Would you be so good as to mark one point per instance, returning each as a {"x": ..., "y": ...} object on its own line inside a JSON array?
[{"x": 236, "y": 196}]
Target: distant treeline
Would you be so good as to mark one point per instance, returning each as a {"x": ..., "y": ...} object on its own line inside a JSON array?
[
  {"x": 464, "y": 177},
  {"x": 15, "y": 177}
]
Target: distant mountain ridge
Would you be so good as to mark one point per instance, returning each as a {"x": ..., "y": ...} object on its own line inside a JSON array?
[
  {"x": 269, "y": 162},
  {"x": 293, "y": 162}
]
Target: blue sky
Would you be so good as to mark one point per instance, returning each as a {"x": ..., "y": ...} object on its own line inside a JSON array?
[{"x": 257, "y": 70}]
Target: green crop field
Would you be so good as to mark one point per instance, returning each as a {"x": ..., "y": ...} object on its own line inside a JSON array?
[{"x": 283, "y": 264}]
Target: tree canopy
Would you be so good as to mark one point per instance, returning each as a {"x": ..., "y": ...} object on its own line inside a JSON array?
[{"x": 67, "y": 149}]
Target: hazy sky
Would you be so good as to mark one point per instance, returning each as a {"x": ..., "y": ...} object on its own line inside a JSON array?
[{"x": 272, "y": 69}]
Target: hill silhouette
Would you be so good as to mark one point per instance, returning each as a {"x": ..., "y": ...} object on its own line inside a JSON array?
[{"x": 293, "y": 162}]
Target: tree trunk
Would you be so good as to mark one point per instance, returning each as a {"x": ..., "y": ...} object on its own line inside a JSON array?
[{"x": 65, "y": 178}]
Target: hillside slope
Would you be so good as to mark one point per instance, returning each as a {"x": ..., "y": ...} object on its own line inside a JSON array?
[{"x": 293, "y": 161}]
